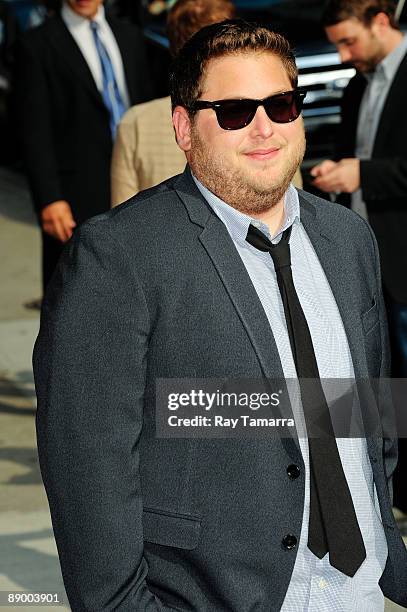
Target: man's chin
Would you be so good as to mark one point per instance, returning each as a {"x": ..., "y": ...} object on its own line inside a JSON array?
[
  {"x": 271, "y": 183},
  {"x": 364, "y": 67}
]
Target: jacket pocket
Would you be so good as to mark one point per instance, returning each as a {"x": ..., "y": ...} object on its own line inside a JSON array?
[
  {"x": 171, "y": 529},
  {"x": 370, "y": 317}
]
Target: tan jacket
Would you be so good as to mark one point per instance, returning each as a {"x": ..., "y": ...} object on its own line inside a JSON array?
[{"x": 145, "y": 152}]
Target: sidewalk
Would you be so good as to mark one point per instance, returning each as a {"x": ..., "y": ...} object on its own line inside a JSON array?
[{"x": 28, "y": 556}]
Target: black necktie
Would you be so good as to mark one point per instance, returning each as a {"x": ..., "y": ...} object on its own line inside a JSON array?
[{"x": 333, "y": 526}]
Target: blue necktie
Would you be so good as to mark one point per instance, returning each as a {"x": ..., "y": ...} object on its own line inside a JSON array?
[{"x": 111, "y": 94}]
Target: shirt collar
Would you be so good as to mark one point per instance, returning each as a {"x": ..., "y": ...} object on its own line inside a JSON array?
[
  {"x": 73, "y": 20},
  {"x": 237, "y": 223},
  {"x": 390, "y": 64}
]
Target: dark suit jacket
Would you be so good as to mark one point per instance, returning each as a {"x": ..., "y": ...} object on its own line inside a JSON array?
[
  {"x": 156, "y": 289},
  {"x": 62, "y": 120},
  {"x": 384, "y": 176},
  {"x": 9, "y": 32}
]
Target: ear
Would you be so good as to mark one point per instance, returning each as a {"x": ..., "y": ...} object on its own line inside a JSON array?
[
  {"x": 381, "y": 20},
  {"x": 182, "y": 126}
]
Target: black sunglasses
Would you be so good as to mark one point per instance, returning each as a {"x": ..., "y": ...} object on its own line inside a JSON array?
[{"x": 236, "y": 114}]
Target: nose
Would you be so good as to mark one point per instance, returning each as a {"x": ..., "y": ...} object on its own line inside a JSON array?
[
  {"x": 262, "y": 124},
  {"x": 344, "y": 54}
]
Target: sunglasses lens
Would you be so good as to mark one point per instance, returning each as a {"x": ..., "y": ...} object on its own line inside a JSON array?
[
  {"x": 235, "y": 114},
  {"x": 284, "y": 108}
]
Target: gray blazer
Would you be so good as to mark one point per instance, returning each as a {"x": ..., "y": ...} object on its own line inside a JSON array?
[{"x": 155, "y": 288}]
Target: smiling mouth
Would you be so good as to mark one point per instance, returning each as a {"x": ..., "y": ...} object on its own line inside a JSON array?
[{"x": 263, "y": 154}]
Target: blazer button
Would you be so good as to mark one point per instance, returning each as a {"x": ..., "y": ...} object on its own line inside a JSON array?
[
  {"x": 293, "y": 471},
  {"x": 289, "y": 541}
]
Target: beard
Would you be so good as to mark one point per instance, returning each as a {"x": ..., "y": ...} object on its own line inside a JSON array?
[
  {"x": 367, "y": 66},
  {"x": 375, "y": 56},
  {"x": 243, "y": 191}
]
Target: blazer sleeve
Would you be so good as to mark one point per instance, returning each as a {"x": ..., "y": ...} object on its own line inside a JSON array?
[
  {"x": 124, "y": 172},
  {"x": 89, "y": 367},
  {"x": 33, "y": 114}
]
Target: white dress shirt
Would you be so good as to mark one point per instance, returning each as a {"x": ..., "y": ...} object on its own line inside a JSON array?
[
  {"x": 315, "y": 585},
  {"x": 80, "y": 29}
]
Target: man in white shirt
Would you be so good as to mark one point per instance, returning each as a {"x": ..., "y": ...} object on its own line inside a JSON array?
[{"x": 76, "y": 75}]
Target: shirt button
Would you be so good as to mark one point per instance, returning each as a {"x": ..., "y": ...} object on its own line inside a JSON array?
[
  {"x": 289, "y": 541},
  {"x": 293, "y": 471},
  {"x": 322, "y": 583}
]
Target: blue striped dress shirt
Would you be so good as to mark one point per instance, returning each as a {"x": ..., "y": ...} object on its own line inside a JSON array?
[{"x": 315, "y": 585}]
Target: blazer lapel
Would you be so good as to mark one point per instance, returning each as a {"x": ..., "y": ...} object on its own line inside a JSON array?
[
  {"x": 394, "y": 106},
  {"x": 227, "y": 261},
  {"x": 233, "y": 274},
  {"x": 346, "y": 142},
  {"x": 64, "y": 44},
  {"x": 328, "y": 252},
  {"x": 220, "y": 248},
  {"x": 126, "y": 49}
]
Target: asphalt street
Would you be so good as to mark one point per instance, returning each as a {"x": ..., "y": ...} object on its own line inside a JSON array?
[{"x": 28, "y": 556}]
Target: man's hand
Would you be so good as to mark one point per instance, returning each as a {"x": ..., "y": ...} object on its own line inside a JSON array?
[
  {"x": 57, "y": 220},
  {"x": 337, "y": 177},
  {"x": 323, "y": 168}
]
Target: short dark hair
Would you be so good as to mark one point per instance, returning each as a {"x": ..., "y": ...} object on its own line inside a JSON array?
[
  {"x": 226, "y": 38},
  {"x": 188, "y": 16},
  {"x": 336, "y": 11}
]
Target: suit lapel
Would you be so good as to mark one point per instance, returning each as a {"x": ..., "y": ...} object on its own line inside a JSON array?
[
  {"x": 350, "y": 114},
  {"x": 337, "y": 265},
  {"x": 335, "y": 261},
  {"x": 225, "y": 258},
  {"x": 242, "y": 293},
  {"x": 233, "y": 274},
  {"x": 216, "y": 241},
  {"x": 64, "y": 45},
  {"x": 338, "y": 270},
  {"x": 394, "y": 106},
  {"x": 126, "y": 48}
]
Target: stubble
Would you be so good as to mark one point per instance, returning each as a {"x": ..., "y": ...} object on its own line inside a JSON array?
[{"x": 233, "y": 185}]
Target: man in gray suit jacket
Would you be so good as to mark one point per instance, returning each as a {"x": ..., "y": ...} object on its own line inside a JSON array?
[{"x": 167, "y": 286}]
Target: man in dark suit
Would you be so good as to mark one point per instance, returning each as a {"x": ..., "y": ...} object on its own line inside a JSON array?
[
  {"x": 372, "y": 154},
  {"x": 8, "y": 34},
  {"x": 76, "y": 74},
  {"x": 186, "y": 280}
]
